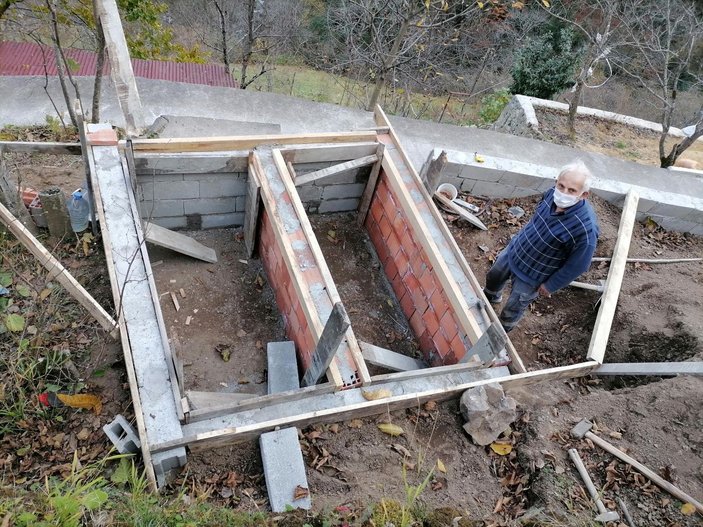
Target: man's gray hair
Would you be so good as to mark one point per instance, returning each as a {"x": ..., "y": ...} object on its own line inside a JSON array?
[{"x": 578, "y": 167}]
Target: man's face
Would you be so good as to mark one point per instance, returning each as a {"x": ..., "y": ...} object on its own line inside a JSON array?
[{"x": 572, "y": 184}]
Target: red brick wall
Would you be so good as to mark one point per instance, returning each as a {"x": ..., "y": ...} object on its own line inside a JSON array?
[
  {"x": 413, "y": 279},
  {"x": 287, "y": 298}
]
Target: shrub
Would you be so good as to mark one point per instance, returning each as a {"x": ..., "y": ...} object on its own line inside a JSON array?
[{"x": 492, "y": 105}]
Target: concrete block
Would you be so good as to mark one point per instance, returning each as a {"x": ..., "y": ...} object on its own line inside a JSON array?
[
  {"x": 282, "y": 367},
  {"x": 467, "y": 185},
  {"x": 161, "y": 208},
  {"x": 492, "y": 190},
  {"x": 678, "y": 225},
  {"x": 145, "y": 191},
  {"x": 221, "y": 186},
  {"x": 176, "y": 222},
  {"x": 522, "y": 192},
  {"x": 338, "y": 205},
  {"x": 310, "y": 193},
  {"x": 122, "y": 435},
  {"x": 210, "y": 205},
  {"x": 522, "y": 180},
  {"x": 452, "y": 170},
  {"x": 166, "y": 464},
  {"x": 482, "y": 174},
  {"x": 453, "y": 180},
  {"x": 672, "y": 211},
  {"x": 152, "y": 176},
  {"x": 694, "y": 215},
  {"x": 190, "y": 163},
  {"x": 354, "y": 190},
  {"x": 360, "y": 175},
  {"x": 241, "y": 203},
  {"x": 284, "y": 469},
  {"x": 176, "y": 190},
  {"x": 216, "y": 221}
]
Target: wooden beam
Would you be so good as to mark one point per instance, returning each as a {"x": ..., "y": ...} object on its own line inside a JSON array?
[
  {"x": 390, "y": 360},
  {"x": 517, "y": 365},
  {"x": 251, "y": 211},
  {"x": 319, "y": 153},
  {"x": 332, "y": 336},
  {"x": 488, "y": 346},
  {"x": 426, "y": 373},
  {"x": 334, "y": 170},
  {"x": 178, "y": 242},
  {"x": 215, "y": 144},
  {"x": 203, "y": 400},
  {"x": 649, "y": 260},
  {"x": 57, "y": 270},
  {"x": 10, "y": 197},
  {"x": 658, "y": 369},
  {"x": 350, "y": 404},
  {"x": 361, "y": 369},
  {"x": 121, "y": 67},
  {"x": 370, "y": 188},
  {"x": 609, "y": 299},
  {"x": 423, "y": 238},
  {"x": 463, "y": 214},
  {"x": 431, "y": 173},
  {"x": 41, "y": 148}
]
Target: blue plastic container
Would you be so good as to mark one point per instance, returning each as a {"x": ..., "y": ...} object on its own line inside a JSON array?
[{"x": 79, "y": 210}]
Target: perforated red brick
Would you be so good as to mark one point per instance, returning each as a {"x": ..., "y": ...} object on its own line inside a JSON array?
[
  {"x": 458, "y": 347},
  {"x": 431, "y": 321},
  {"x": 448, "y": 325},
  {"x": 398, "y": 222},
  {"x": 385, "y": 227},
  {"x": 425, "y": 341},
  {"x": 427, "y": 282},
  {"x": 416, "y": 323},
  {"x": 407, "y": 305},
  {"x": 402, "y": 262},
  {"x": 441, "y": 345},
  {"x": 393, "y": 244}
]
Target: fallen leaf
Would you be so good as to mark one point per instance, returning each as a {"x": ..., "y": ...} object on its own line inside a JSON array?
[
  {"x": 390, "y": 429},
  {"x": 401, "y": 450},
  {"x": 14, "y": 323},
  {"x": 502, "y": 449},
  {"x": 23, "y": 291},
  {"x": 430, "y": 406},
  {"x": 334, "y": 428},
  {"x": 374, "y": 395},
  {"x": 688, "y": 509},
  {"x": 241, "y": 333},
  {"x": 84, "y": 400},
  {"x": 259, "y": 345},
  {"x": 315, "y": 434},
  {"x": 44, "y": 293},
  {"x": 300, "y": 493},
  {"x": 441, "y": 467},
  {"x": 356, "y": 423},
  {"x": 83, "y": 434}
]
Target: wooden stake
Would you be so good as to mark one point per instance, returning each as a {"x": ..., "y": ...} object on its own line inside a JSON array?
[{"x": 332, "y": 336}]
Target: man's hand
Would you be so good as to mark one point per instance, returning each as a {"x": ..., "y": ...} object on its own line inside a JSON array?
[{"x": 544, "y": 292}]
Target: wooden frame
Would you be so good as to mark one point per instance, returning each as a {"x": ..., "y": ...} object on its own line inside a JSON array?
[{"x": 334, "y": 170}]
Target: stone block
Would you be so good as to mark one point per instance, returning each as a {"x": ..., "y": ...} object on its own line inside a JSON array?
[
  {"x": 176, "y": 190},
  {"x": 216, "y": 221},
  {"x": 122, "y": 435},
  {"x": 282, "y": 367},
  {"x": 338, "y": 205},
  {"x": 210, "y": 205},
  {"x": 488, "y": 412},
  {"x": 354, "y": 190},
  {"x": 284, "y": 469},
  {"x": 222, "y": 186}
]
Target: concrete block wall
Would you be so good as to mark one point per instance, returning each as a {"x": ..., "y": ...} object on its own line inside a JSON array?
[
  {"x": 413, "y": 279},
  {"x": 497, "y": 177},
  {"x": 338, "y": 193}
]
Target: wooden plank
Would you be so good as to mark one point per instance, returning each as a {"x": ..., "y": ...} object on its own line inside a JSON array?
[
  {"x": 46, "y": 259},
  {"x": 251, "y": 211},
  {"x": 41, "y": 148},
  {"x": 350, "y": 404},
  {"x": 322, "y": 153},
  {"x": 126, "y": 347},
  {"x": 214, "y": 144},
  {"x": 388, "y": 359},
  {"x": 362, "y": 370},
  {"x": 340, "y": 168},
  {"x": 663, "y": 369},
  {"x": 121, "y": 66},
  {"x": 332, "y": 336},
  {"x": 649, "y": 260},
  {"x": 178, "y": 242},
  {"x": 517, "y": 366},
  {"x": 488, "y": 346},
  {"x": 202, "y": 400},
  {"x": 609, "y": 299},
  {"x": 426, "y": 373},
  {"x": 10, "y": 197},
  {"x": 423, "y": 238},
  {"x": 270, "y": 204},
  {"x": 78, "y": 110},
  {"x": 463, "y": 214},
  {"x": 370, "y": 187}
]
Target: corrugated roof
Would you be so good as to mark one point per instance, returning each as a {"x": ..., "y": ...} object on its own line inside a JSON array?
[{"x": 26, "y": 58}]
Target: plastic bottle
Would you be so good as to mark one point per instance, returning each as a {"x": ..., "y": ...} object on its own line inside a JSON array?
[{"x": 79, "y": 210}]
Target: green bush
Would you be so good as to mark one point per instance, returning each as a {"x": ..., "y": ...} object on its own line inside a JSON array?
[
  {"x": 492, "y": 105},
  {"x": 545, "y": 64}
]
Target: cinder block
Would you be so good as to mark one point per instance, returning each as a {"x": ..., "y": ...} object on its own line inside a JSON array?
[
  {"x": 310, "y": 193},
  {"x": 145, "y": 191},
  {"x": 357, "y": 176},
  {"x": 210, "y": 205},
  {"x": 221, "y": 186},
  {"x": 122, "y": 435},
  {"x": 154, "y": 176},
  {"x": 241, "y": 203},
  {"x": 215, "y": 221},
  {"x": 166, "y": 463},
  {"x": 161, "y": 208},
  {"x": 282, "y": 367},
  {"x": 482, "y": 174},
  {"x": 492, "y": 190},
  {"x": 176, "y": 222},
  {"x": 176, "y": 190},
  {"x": 343, "y": 191},
  {"x": 522, "y": 192},
  {"x": 338, "y": 205},
  {"x": 284, "y": 469},
  {"x": 467, "y": 185}
]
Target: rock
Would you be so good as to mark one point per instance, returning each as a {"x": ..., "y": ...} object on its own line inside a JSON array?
[{"x": 488, "y": 412}]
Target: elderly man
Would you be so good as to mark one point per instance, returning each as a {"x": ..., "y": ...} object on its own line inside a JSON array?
[{"x": 554, "y": 248}]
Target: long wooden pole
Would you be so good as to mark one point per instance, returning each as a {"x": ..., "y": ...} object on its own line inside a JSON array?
[
  {"x": 75, "y": 289},
  {"x": 609, "y": 301}
]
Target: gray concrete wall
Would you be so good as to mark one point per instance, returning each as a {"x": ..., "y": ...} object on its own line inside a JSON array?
[
  {"x": 206, "y": 191},
  {"x": 505, "y": 178}
]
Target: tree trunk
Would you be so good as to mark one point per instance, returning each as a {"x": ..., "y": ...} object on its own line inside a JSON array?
[
  {"x": 680, "y": 148},
  {"x": 60, "y": 65},
  {"x": 223, "y": 31},
  {"x": 5, "y": 5},
  {"x": 97, "y": 85},
  {"x": 388, "y": 64},
  {"x": 574, "y": 106},
  {"x": 248, "y": 44}
]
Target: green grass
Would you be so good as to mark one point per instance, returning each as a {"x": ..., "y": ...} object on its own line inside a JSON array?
[{"x": 320, "y": 86}]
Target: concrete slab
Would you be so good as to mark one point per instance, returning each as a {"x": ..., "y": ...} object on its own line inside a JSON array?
[
  {"x": 282, "y": 367},
  {"x": 284, "y": 470}
]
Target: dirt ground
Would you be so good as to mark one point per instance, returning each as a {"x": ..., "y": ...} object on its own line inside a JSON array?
[{"x": 351, "y": 464}]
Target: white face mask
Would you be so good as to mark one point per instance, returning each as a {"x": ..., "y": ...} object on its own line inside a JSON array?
[{"x": 564, "y": 201}]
